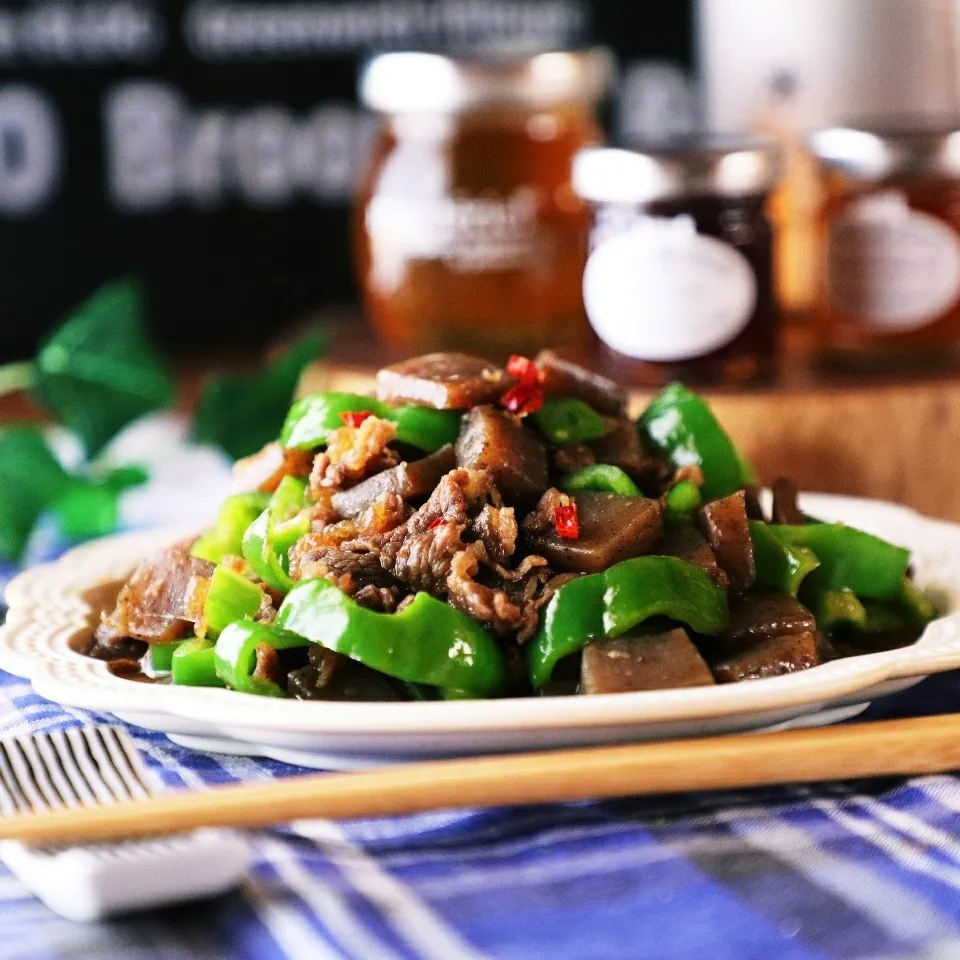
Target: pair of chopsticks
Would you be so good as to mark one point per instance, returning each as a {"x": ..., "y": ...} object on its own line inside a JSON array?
[{"x": 897, "y": 747}]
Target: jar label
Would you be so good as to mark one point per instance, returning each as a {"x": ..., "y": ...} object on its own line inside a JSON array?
[
  {"x": 468, "y": 234},
  {"x": 661, "y": 291},
  {"x": 892, "y": 267}
]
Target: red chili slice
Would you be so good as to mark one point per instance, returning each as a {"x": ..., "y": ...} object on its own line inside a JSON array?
[
  {"x": 524, "y": 369},
  {"x": 354, "y": 419},
  {"x": 567, "y": 522},
  {"x": 522, "y": 399},
  {"x": 439, "y": 522}
]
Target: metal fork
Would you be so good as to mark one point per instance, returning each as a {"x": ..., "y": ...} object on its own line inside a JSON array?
[{"x": 94, "y": 766}]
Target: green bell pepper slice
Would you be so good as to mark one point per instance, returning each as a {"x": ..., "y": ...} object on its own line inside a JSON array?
[
  {"x": 235, "y": 655},
  {"x": 915, "y": 606},
  {"x": 161, "y": 656},
  {"x": 425, "y": 428},
  {"x": 225, "y": 538},
  {"x": 569, "y": 420},
  {"x": 849, "y": 559},
  {"x": 311, "y": 419},
  {"x": 780, "y": 566},
  {"x": 268, "y": 539},
  {"x": 427, "y": 642},
  {"x": 611, "y": 603},
  {"x": 194, "y": 664},
  {"x": 684, "y": 499},
  {"x": 679, "y": 424},
  {"x": 836, "y": 609},
  {"x": 603, "y": 477},
  {"x": 230, "y": 597}
]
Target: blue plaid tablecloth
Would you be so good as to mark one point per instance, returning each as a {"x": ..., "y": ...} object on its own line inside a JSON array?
[{"x": 860, "y": 870}]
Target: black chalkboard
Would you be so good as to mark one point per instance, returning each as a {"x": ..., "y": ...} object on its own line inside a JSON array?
[{"x": 211, "y": 145}]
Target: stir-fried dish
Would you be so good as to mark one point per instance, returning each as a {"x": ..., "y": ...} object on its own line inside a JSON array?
[{"x": 477, "y": 531}]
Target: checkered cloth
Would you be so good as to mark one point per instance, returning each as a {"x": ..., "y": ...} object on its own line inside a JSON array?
[{"x": 864, "y": 870}]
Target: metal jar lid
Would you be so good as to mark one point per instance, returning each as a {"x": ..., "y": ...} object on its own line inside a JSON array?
[
  {"x": 873, "y": 151},
  {"x": 435, "y": 83},
  {"x": 707, "y": 165}
]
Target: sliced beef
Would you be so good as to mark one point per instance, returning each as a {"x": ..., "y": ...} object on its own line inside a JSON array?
[
  {"x": 768, "y": 657},
  {"x": 349, "y": 681},
  {"x": 562, "y": 378},
  {"x": 409, "y": 481},
  {"x": 612, "y": 528},
  {"x": 686, "y": 543},
  {"x": 653, "y": 661},
  {"x": 154, "y": 604},
  {"x": 309, "y": 682},
  {"x": 515, "y": 457},
  {"x": 756, "y": 616},
  {"x": 354, "y": 453},
  {"x": 785, "y": 508},
  {"x": 724, "y": 525},
  {"x": 264, "y": 470},
  {"x": 447, "y": 381}
]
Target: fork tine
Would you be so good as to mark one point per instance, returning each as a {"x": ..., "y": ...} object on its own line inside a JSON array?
[
  {"x": 126, "y": 761},
  {"x": 12, "y": 799},
  {"x": 105, "y": 767},
  {"x": 24, "y": 777},
  {"x": 40, "y": 771},
  {"x": 53, "y": 764},
  {"x": 87, "y": 767},
  {"x": 68, "y": 763}
]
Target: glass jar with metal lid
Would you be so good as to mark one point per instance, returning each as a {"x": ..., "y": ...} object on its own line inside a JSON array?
[
  {"x": 679, "y": 277},
  {"x": 889, "y": 291},
  {"x": 468, "y": 233}
]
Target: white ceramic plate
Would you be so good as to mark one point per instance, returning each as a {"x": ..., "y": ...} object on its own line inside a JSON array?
[{"x": 49, "y": 615}]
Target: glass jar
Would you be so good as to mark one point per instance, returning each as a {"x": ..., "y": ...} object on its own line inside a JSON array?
[
  {"x": 678, "y": 283},
  {"x": 468, "y": 233},
  {"x": 889, "y": 289}
]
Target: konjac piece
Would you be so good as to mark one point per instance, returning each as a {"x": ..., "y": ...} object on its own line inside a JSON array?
[
  {"x": 446, "y": 381},
  {"x": 768, "y": 657},
  {"x": 562, "y": 378},
  {"x": 409, "y": 480},
  {"x": 724, "y": 524},
  {"x": 758, "y": 615},
  {"x": 652, "y": 661},
  {"x": 514, "y": 456},
  {"x": 611, "y": 528}
]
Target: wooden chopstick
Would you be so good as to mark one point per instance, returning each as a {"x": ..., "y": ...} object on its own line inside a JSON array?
[{"x": 897, "y": 747}]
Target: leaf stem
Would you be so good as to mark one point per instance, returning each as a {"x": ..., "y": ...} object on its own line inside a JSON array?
[{"x": 15, "y": 377}]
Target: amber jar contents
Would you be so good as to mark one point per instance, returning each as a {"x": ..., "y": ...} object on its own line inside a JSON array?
[
  {"x": 679, "y": 282},
  {"x": 468, "y": 233},
  {"x": 889, "y": 288}
]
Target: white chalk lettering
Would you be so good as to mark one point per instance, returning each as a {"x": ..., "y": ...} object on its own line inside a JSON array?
[
  {"x": 81, "y": 34},
  {"x": 226, "y": 30},
  {"x": 29, "y": 151},
  {"x": 163, "y": 152}
]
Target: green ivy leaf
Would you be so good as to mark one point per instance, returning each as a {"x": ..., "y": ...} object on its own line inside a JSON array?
[
  {"x": 31, "y": 479},
  {"x": 240, "y": 414},
  {"x": 97, "y": 372}
]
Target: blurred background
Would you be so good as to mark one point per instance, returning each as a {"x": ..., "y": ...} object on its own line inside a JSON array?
[{"x": 760, "y": 193}]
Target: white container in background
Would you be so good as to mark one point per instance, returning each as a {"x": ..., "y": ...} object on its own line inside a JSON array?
[{"x": 823, "y": 61}]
